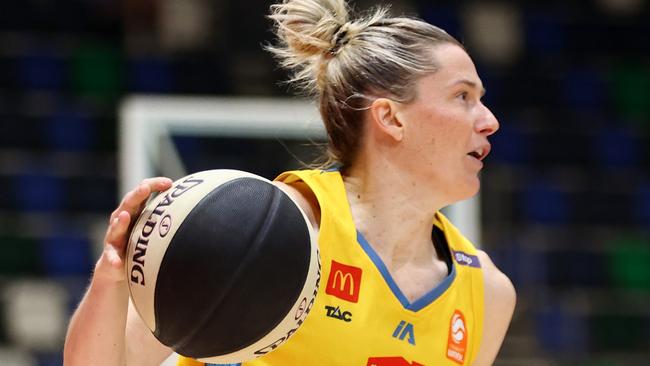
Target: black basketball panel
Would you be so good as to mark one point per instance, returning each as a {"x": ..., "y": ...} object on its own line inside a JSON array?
[
  {"x": 204, "y": 253},
  {"x": 265, "y": 292},
  {"x": 253, "y": 256}
]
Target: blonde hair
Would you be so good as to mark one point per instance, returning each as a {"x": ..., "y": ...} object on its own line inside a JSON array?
[{"x": 346, "y": 63}]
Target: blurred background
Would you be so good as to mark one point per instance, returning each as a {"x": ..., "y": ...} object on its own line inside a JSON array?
[{"x": 566, "y": 190}]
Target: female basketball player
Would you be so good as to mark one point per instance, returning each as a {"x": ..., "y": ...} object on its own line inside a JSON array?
[{"x": 401, "y": 102}]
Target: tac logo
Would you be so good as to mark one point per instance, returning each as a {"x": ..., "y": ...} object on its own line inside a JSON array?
[
  {"x": 344, "y": 282},
  {"x": 403, "y": 331},
  {"x": 390, "y": 361},
  {"x": 458, "y": 335},
  {"x": 336, "y": 313}
]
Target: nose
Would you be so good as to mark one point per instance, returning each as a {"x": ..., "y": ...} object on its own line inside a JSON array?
[{"x": 488, "y": 123}]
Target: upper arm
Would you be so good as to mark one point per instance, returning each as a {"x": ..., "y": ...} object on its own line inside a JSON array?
[
  {"x": 500, "y": 299},
  {"x": 306, "y": 199},
  {"x": 142, "y": 348}
]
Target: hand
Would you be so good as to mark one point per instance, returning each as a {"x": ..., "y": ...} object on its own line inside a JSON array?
[{"x": 111, "y": 264}]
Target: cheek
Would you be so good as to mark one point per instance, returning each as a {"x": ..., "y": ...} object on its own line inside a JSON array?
[
  {"x": 439, "y": 135},
  {"x": 449, "y": 140}
]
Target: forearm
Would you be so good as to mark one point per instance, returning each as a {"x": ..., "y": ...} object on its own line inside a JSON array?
[
  {"x": 98, "y": 329},
  {"x": 96, "y": 334}
]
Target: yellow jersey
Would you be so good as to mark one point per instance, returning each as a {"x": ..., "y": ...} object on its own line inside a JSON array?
[{"x": 361, "y": 317}]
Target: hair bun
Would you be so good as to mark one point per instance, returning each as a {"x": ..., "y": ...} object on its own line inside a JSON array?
[{"x": 306, "y": 28}]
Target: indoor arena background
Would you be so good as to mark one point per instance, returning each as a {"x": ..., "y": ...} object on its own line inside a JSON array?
[{"x": 566, "y": 190}]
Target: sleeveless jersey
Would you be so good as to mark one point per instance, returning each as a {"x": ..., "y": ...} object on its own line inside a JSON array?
[{"x": 361, "y": 317}]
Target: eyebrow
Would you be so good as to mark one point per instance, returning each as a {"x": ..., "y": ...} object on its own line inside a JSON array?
[{"x": 470, "y": 84}]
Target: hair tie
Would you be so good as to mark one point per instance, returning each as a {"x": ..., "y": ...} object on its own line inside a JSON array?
[{"x": 340, "y": 39}]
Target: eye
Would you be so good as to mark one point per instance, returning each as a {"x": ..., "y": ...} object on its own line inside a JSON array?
[{"x": 463, "y": 96}]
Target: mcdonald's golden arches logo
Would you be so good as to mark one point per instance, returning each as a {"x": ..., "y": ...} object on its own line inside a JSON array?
[{"x": 344, "y": 281}]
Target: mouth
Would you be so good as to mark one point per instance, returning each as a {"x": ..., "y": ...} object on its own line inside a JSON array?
[{"x": 480, "y": 153}]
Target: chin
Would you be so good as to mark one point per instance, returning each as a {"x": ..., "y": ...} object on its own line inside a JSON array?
[
  {"x": 467, "y": 190},
  {"x": 476, "y": 187}
]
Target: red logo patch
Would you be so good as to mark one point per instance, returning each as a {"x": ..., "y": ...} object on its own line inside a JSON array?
[
  {"x": 344, "y": 282},
  {"x": 390, "y": 361},
  {"x": 458, "y": 335}
]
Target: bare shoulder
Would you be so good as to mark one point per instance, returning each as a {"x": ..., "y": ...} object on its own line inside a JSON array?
[
  {"x": 497, "y": 285},
  {"x": 305, "y": 197},
  {"x": 500, "y": 299}
]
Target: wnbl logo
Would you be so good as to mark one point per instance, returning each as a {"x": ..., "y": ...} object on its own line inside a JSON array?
[{"x": 457, "y": 340}]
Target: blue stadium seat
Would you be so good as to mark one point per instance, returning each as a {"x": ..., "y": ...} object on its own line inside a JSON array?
[
  {"x": 495, "y": 86},
  {"x": 70, "y": 129},
  {"x": 150, "y": 75},
  {"x": 524, "y": 266},
  {"x": 510, "y": 144},
  {"x": 42, "y": 70},
  {"x": 584, "y": 88},
  {"x": 39, "y": 192},
  {"x": 543, "y": 203},
  {"x": 445, "y": 17},
  {"x": 66, "y": 254},
  {"x": 616, "y": 147},
  {"x": 560, "y": 331},
  {"x": 546, "y": 34},
  {"x": 49, "y": 359}
]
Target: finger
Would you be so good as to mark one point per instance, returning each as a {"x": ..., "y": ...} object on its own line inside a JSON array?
[
  {"x": 157, "y": 183},
  {"x": 135, "y": 199},
  {"x": 117, "y": 233},
  {"x": 113, "y": 256}
]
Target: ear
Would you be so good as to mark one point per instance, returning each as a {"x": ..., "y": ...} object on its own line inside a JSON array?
[{"x": 383, "y": 113}]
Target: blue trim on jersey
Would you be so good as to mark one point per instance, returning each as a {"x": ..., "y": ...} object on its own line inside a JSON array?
[
  {"x": 418, "y": 304},
  {"x": 334, "y": 168}
]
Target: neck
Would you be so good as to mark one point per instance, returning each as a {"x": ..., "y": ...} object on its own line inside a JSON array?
[{"x": 391, "y": 209}]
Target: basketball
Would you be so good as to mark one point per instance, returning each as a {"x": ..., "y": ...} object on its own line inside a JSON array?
[{"x": 223, "y": 267}]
